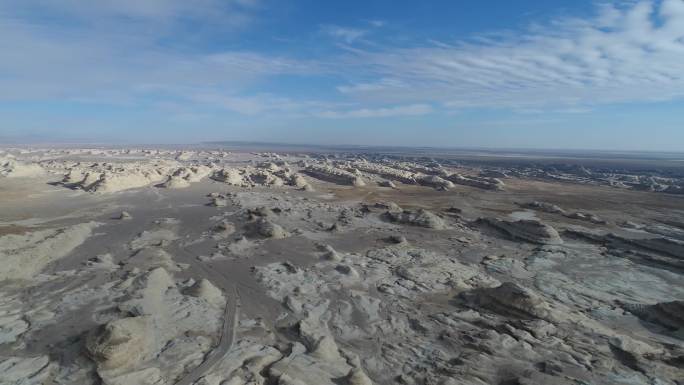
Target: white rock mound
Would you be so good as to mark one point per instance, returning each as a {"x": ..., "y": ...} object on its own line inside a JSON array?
[
  {"x": 512, "y": 300},
  {"x": 335, "y": 175},
  {"x": 479, "y": 182},
  {"x": 268, "y": 229},
  {"x": 24, "y": 370},
  {"x": 419, "y": 217},
  {"x": 120, "y": 344},
  {"x": 12, "y": 168},
  {"x": 175, "y": 182},
  {"x": 23, "y": 256},
  {"x": 386, "y": 172},
  {"x": 206, "y": 290},
  {"x": 526, "y": 229}
]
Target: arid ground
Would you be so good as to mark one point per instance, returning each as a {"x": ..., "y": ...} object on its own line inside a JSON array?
[{"x": 162, "y": 266}]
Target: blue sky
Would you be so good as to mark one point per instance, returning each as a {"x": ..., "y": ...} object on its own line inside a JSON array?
[{"x": 528, "y": 74}]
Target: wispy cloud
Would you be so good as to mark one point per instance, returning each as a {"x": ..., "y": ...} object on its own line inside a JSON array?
[
  {"x": 351, "y": 34},
  {"x": 117, "y": 13},
  {"x": 285, "y": 107},
  {"x": 261, "y": 104},
  {"x": 348, "y": 35},
  {"x": 42, "y": 62},
  {"x": 120, "y": 52},
  {"x": 377, "y": 23},
  {"x": 632, "y": 53},
  {"x": 385, "y": 112}
]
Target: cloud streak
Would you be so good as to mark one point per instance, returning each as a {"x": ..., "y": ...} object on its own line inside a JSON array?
[
  {"x": 385, "y": 112},
  {"x": 42, "y": 63},
  {"x": 622, "y": 55},
  {"x": 348, "y": 35},
  {"x": 117, "y": 52}
]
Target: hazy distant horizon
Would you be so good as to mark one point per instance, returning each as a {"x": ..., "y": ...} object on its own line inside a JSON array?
[{"x": 334, "y": 146}]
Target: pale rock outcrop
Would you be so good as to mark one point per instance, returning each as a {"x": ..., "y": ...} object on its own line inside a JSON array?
[
  {"x": 240, "y": 245},
  {"x": 334, "y": 175},
  {"x": 319, "y": 363},
  {"x": 24, "y": 370},
  {"x": 511, "y": 300},
  {"x": 265, "y": 174},
  {"x": 147, "y": 376},
  {"x": 218, "y": 201},
  {"x": 114, "y": 178},
  {"x": 13, "y": 323},
  {"x": 386, "y": 172},
  {"x": 479, "y": 182},
  {"x": 246, "y": 363},
  {"x": 197, "y": 173},
  {"x": 331, "y": 254},
  {"x": 387, "y": 183},
  {"x": 285, "y": 379},
  {"x": 284, "y": 278},
  {"x": 73, "y": 176},
  {"x": 23, "y": 256},
  {"x": 154, "y": 340},
  {"x": 184, "y": 176},
  {"x": 389, "y": 206},
  {"x": 260, "y": 177},
  {"x": 120, "y": 344},
  {"x": 299, "y": 181},
  {"x": 398, "y": 240},
  {"x": 357, "y": 376},
  {"x": 545, "y": 207},
  {"x": 266, "y": 228},
  {"x": 124, "y": 215},
  {"x": 669, "y": 315},
  {"x": 184, "y": 155},
  {"x": 224, "y": 228},
  {"x": 152, "y": 257},
  {"x": 593, "y": 218},
  {"x": 155, "y": 237},
  {"x": 206, "y": 290},
  {"x": 526, "y": 229},
  {"x": 103, "y": 261},
  {"x": 175, "y": 182},
  {"x": 419, "y": 217},
  {"x": 436, "y": 182},
  {"x": 12, "y": 168},
  {"x": 347, "y": 270},
  {"x": 89, "y": 179},
  {"x": 230, "y": 176}
]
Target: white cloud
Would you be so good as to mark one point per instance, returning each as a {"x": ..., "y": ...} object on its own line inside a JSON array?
[
  {"x": 377, "y": 23},
  {"x": 285, "y": 107},
  {"x": 109, "y": 51},
  {"x": 385, "y": 112},
  {"x": 125, "y": 12},
  {"x": 379, "y": 85},
  {"x": 348, "y": 35},
  {"x": 633, "y": 53},
  {"x": 41, "y": 62},
  {"x": 262, "y": 104}
]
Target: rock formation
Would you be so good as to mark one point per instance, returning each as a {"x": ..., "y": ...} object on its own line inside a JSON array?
[
  {"x": 525, "y": 229},
  {"x": 419, "y": 217},
  {"x": 121, "y": 344},
  {"x": 24, "y": 256},
  {"x": 335, "y": 175}
]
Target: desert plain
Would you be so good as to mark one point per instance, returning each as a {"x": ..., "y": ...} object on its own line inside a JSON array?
[{"x": 282, "y": 266}]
